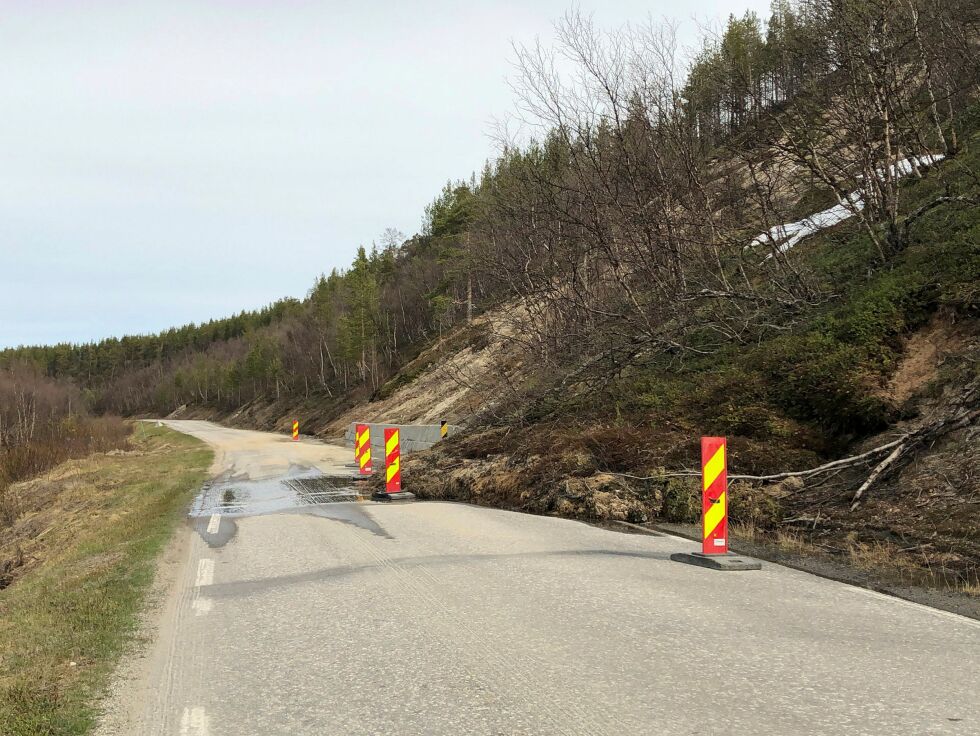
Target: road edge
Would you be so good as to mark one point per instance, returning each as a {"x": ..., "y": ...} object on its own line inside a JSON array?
[
  {"x": 936, "y": 600},
  {"x": 131, "y": 684}
]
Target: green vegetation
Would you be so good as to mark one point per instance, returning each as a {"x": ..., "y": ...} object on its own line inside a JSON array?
[
  {"x": 820, "y": 384},
  {"x": 639, "y": 303},
  {"x": 637, "y": 256},
  {"x": 66, "y": 620}
]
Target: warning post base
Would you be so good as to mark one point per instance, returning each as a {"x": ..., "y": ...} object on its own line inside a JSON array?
[
  {"x": 399, "y": 496},
  {"x": 726, "y": 561}
]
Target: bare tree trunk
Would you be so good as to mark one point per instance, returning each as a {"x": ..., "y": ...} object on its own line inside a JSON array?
[{"x": 927, "y": 76}]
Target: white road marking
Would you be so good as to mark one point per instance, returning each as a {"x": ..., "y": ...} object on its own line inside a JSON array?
[
  {"x": 195, "y": 722},
  {"x": 205, "y": 577},
  {"x": 205, "y": 573},
  {"x": 214, "y": 523}
]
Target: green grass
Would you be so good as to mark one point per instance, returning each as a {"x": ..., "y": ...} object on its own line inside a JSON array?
[{"x": 106, "y": 527}]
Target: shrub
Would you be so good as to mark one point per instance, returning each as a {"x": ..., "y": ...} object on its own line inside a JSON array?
[
  {"x": 682, "y": 501},
  {"x": 820, "y": 379},
  {"x": 750, "y": 505},
  {"x": 54, "y": 442}
]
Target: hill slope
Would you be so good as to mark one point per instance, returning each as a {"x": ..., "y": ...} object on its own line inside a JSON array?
[{"x": 894, "y": 354}]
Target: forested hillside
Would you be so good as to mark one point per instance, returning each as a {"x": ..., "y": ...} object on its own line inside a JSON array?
[
  {"x": 772, "y": 237},
  {"x": 350, "y": 332},
  {"x": 621, "y": 229},
  {"x": 730, "y": 243}
]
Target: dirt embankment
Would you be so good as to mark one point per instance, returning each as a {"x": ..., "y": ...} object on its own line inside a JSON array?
[
  {"x": 916, "y": 528},
  {"x": 457, "y": 378}
]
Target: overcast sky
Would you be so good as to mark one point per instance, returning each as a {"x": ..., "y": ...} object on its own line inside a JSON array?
[{"x": 166, "y": 162}]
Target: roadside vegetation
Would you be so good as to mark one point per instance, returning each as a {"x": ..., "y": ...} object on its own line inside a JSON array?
[
  {"x": 86, "y": 536},
  {"x": 44, "y": 421},
  {"x": 895, "y": 350}
]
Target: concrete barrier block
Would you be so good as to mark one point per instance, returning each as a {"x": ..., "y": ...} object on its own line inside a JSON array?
[{"x": 413, "y": 437}]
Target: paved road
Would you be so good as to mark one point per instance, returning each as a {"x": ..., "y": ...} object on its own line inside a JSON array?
[{"x": 435, "y": 618}]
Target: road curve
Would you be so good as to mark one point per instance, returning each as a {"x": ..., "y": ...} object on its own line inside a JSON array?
[{"x": 435, "y": 618}]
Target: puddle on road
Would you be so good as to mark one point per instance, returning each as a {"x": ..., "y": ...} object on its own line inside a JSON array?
[
  {"x": 300, "y": 491},
  {"x": 234, "y": 496}
]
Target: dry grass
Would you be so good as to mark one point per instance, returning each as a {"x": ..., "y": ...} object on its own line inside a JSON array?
[
  {"x": 883, "y": 562},
  {"x": 89, "y": 533},
  {"x": 911, "y": 567},
  {"x": 57, "y": 441}
]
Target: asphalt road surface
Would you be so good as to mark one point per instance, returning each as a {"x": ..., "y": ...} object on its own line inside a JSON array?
[{"x": 286, "y": 616}]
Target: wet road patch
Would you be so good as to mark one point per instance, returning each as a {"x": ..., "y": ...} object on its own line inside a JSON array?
[
  {"x": 302, "y": 491},
  {"x": 232, "y": 496},
  {"x": 324, "y": 489},
  {"x": 216, "y": 530}
]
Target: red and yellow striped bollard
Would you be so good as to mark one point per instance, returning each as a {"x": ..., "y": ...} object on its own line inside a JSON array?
[
  {"x": 358, "y": 431},
  {"x": 393, "y": 473},
  {"x": 714, "y": 496},
  {"x": 295, "y": 431},
  {"x": 714, "y": 552},
  {"x": 362, "y": 440}
]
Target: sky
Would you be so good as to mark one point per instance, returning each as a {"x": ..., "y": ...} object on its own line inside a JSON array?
[{"x": 165, "y": 162}]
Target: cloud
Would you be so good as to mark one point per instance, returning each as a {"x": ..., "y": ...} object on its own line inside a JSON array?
[{"x": 164, "y": 162}]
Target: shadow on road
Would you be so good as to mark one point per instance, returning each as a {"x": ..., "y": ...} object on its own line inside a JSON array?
[{"x": 248, "y": 587}]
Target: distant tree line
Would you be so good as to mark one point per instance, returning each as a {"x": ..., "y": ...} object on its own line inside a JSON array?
[{"x": 353, "y": 329}]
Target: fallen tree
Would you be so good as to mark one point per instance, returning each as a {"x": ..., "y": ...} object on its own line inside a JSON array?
[{"x": 962, "y": 412}]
